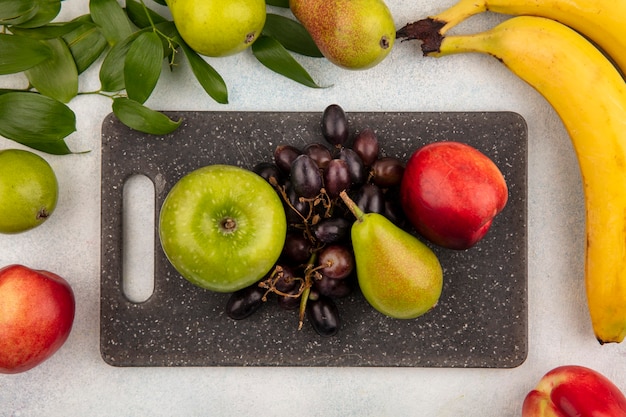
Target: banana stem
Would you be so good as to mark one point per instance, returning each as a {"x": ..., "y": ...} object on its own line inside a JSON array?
[
  {"x": 434, "y": 44},
  {"x": 459, "y": 12},
  {"x": 432, "y": 29},
  {"x": 426, "y": 30}
]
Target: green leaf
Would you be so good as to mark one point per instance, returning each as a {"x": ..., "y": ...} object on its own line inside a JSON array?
[
  {"x": 142, "y": 66},
  {"x": 137, "y": 14},
  {"x": 9, "y": 90},
  {"x": 209, "y": 79},
  {"x": 139, "y": 117},
  {"x": 291, "y": 34},
  {"x": 56, "y": 77},
  {"x": 36, "y": 121},
  {"x": 275, "y": 57},
  {"x": 111, "y": 19},
  {"x": 278, "y": 3},
  {"x": 46, "y": 12},
  {"x": 86, "y": 44},
  {"x": 14, "y": 12},
  {"x": 112, "y": 68},
  {"x": 20, "y": 53},
  {"x": 161, "y": 2},
  {"x": 49, "y": 31}
]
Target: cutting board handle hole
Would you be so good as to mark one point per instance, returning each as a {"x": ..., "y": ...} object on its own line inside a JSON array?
[{"x": 138, "y": 235}]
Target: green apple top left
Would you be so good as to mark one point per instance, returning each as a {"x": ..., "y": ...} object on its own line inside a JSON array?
[
  {"x": 222, "y": 227},
  {"x": 28, "y": 190}
]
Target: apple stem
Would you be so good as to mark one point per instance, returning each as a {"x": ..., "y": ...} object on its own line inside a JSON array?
[{"x": 358, "y": 213}]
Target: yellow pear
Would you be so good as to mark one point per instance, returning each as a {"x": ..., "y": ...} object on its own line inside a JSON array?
[
  {"x": 353, "y": 34},
  {"x": 398, "y": 275},
  {"x": 218, "y": 27}
]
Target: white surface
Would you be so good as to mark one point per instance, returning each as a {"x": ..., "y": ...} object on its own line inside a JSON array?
[{"x": 76, "y": 382}]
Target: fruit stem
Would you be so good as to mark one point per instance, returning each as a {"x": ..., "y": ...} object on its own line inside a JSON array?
[
  {"x": 427, "y": 31},
  {"x": 270, "y": 284},
  {"x": 309, "y": 272},
  {"x": 302, "y": 310},
  {"x": 358, "y": 213},
  {"x": 281, "y": 190}
]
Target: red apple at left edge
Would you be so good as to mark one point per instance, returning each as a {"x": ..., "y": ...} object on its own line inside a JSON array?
[
  {"x": 451, "y": 192},
  {"x": 36, "y": 316}
]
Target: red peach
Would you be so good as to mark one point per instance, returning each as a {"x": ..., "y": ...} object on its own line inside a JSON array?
[
  {"x": 36, "y": 316},
  {"x": 451, "y": 193}
]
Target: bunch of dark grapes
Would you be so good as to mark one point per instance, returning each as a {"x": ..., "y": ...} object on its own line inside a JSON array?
[{"x": 317, "y": 264}]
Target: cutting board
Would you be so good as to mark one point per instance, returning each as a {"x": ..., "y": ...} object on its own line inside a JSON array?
[{"x": 480, "y": 321}]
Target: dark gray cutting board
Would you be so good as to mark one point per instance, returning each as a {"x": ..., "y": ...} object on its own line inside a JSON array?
[{"x": 480, "y": 321}]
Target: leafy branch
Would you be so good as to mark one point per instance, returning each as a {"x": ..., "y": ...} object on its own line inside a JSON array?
[{"x": 132, "y": 41}]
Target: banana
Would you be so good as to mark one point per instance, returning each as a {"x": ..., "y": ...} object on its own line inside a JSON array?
[
  {"x": 602, "y": 21},
  {"x": 589, "y": 95}
]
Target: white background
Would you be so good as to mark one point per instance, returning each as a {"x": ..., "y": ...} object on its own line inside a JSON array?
[{"x": 77, "y": 382}]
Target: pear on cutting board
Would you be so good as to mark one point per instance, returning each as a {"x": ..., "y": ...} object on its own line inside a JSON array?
[
  {"x": 398, "y": 275},
  {"x": 353, "y": 34}
]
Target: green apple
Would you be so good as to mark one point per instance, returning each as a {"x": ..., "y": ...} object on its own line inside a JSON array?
[
  {"x": 28, "y": 190},
  {"x": 222, "y": 227},
  {"x": 218, "y": 27}
]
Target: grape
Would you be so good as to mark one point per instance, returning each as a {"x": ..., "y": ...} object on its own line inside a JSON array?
[
  {"x": 305, "y": 177},
  {"x": 335, "y": 125},
  {"x": 289, "y": 303},
  {"x": 286, "y": 281},
  {"x": 297, "y": 206},
  {"x": 387, "y": 171},
  {"x": 245, "y": 302},
  {"x": 366, "y": 146},
  {"x": 393, "y": 208},
  {"x": 284, "y": 155},
  {"x": 318, "y": 153},
  {"x": 267, "y": 170},
  {"x": 331, "y": 287},
  {"x": 337, "y": 261},
  {"x": 332, "y": 229},
  {"x": 355, "y": 165},
  {"x": 297, "y": 248},
  {"x": 323, "y": 315},
  {"x": 370, "y": 198},
  {"x": 337, "y": 177}
]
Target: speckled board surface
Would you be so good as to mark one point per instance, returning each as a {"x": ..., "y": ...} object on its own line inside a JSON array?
[{"x": 480, "y": 321}]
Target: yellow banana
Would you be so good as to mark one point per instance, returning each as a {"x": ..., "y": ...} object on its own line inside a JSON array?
[
  {"x": 602, "y": 21},
  {"x": 589, "y": 95}
]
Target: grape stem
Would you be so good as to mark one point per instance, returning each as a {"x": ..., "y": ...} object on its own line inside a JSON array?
[
  {"x": 283, "y": 194},
  {"x": 310, "y": 273},
  {"x": 311, "y": 218},
  {"x": 270, "y": 284},
  {"x": 302, "y": 309},
  {"x": 304, "y": 292}
]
